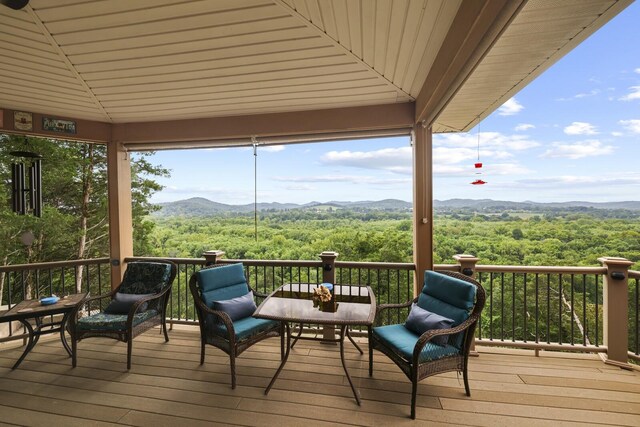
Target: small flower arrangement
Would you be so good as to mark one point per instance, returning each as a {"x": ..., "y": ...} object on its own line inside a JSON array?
[{"x": 320, "y": 295}]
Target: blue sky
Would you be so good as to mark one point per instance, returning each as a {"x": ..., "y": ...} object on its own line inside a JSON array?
[{"x": 572, "y": 134}]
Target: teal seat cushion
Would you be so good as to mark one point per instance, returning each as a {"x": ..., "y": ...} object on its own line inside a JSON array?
[
  {"x": 246, "y": 327},
  {"x": 222, "y": 283},
  {"x": 403, "y": 341},
  {"x": 112, "y": 322}
]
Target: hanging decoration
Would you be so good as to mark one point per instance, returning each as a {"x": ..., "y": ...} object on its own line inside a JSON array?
[
  {"x": 478, "y": 164},
  {"x": 254, "y": 141},
  {"x": 26, "y": 183}
]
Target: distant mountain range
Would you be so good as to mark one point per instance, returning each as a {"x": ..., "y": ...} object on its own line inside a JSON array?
[
  {"x": 484, "y": 204},
  {"x": 199, "y": 206}
]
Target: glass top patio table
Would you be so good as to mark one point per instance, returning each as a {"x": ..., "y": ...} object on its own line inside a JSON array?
[{"x": 292, "y": 303}]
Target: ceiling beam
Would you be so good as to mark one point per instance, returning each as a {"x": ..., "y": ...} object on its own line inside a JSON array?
[
  {"x": 476, "y": 27},
  {"x": 314, "y": 122},
  {"x": 86, "y": 130}
]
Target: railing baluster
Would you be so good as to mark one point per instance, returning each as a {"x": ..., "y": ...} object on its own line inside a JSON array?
[
  {"x": 585, "y": 324},
  {"x": 537, "y": 307},
  {"x": 491, "y": 306},
  {"x": 513, "y": 306},
  {"x": 501, "y": 306},
  {"x": 548, "y": 308},
  {"x": 524, "y": 311},
  {"x": 597, "y": 343},
  {"x": 479, "y": 329},
  {"x": 560, "y": 296}
]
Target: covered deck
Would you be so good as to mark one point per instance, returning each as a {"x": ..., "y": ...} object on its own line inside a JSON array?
[{"x": 167, "y": 386}]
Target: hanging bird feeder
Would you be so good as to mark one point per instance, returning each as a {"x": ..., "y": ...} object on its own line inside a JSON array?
[{"x": 478, "y": 164}]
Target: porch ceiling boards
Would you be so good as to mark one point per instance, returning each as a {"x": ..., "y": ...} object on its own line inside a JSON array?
[
  {"x": 121, "y": 61},
  {"x": 167, "y": 386}
]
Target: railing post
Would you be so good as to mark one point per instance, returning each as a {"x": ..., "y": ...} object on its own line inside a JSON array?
[
  {"x": 328, "y": 266},
  {"x": 212, "y": 257},
  {"x": 467, "y": 265},
  {"x": 616, "y": 310},
  {"x": 329, "y": 276}
]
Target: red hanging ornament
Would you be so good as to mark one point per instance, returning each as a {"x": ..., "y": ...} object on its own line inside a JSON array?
[{"x": 478, "y": 164}]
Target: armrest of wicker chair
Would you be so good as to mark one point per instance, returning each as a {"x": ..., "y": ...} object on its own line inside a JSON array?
[{"x": 218, "y": 315}]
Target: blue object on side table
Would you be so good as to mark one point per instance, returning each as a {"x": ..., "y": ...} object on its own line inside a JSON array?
[
  {"x": 328, "y": 286},
  {"x": 49, "y": 300}
]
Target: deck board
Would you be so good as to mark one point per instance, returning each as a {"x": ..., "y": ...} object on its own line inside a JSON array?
[{"x": 167, "y": 386}]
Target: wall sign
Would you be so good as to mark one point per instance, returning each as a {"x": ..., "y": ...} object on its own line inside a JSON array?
[
  {"x": 57, "y": 125},
  {"x": 22, "y": 120}
]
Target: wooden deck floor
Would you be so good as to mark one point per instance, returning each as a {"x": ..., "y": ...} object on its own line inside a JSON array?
[{"x": 167, "y": 387}]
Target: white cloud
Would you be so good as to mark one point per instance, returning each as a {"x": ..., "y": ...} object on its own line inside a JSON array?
[
  {"x": 633, "y": 95},
  {"x": 616, "y": 133},
  {"x": 271, "y": 148},
  {"x": 578, "y": 150},
  {"x": 488, "y": 140},
  {"x": 637, "y": 70},
  {"x": 353, "y": 179},
  {"x": 453, "y": 154},
  {"x": 523, "y": 127},
  {"x": 580, "y": 128},
  {"x": 397, "y": 160},
  {"x": 592, "y": 92},
  {"x": 568, "y": 181},
  {"x": 510, "y": 108},
  {"x": 631, "y": 125},
  {"x": 299, "y": 187}
]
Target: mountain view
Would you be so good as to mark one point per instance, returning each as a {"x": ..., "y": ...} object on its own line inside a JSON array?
[{"x": 201, "y": 207}]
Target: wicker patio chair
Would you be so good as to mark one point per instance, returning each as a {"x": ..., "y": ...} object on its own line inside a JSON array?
[
  {"x": 219, "y": 283},
  {"x": 141, "y": 300},
  {"x": 448, "y": 294}
]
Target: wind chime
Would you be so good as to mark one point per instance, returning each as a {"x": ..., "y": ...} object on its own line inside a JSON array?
[
  {"x": 26, "y": 183},
  {"x": 478, "y": 164}
]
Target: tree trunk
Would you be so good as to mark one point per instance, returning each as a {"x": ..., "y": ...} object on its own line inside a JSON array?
[{"x": 87, "y": 188}]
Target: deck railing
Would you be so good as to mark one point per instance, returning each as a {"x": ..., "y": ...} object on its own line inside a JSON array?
[
  {"x": 554, "y": 308},
  {"x": 391, "y": 282},
  {"x": 634, "y": 315},
  {"x": 32, "y": 281},
  {"x": 542, "y": 307}
]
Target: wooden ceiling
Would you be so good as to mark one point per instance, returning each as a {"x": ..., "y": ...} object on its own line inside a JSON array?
[{"x": 124, "y": 61}]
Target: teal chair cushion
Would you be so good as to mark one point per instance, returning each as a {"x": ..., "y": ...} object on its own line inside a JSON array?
[
  {"x": 246, "y": 327},
  {"x": 402, "y": 341},
  {"x": 112, "y": 322},
  {"x": 447, "y": 296},
  {"x": 222, "y": 283},
  {"x": 145, "y": 277}
]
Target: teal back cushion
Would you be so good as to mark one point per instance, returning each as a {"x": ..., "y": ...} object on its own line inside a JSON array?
[
  {"x": 144, "y": 277},
  {"x": 222, "y": 283},
  {"x": 447, "y": 296}
]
